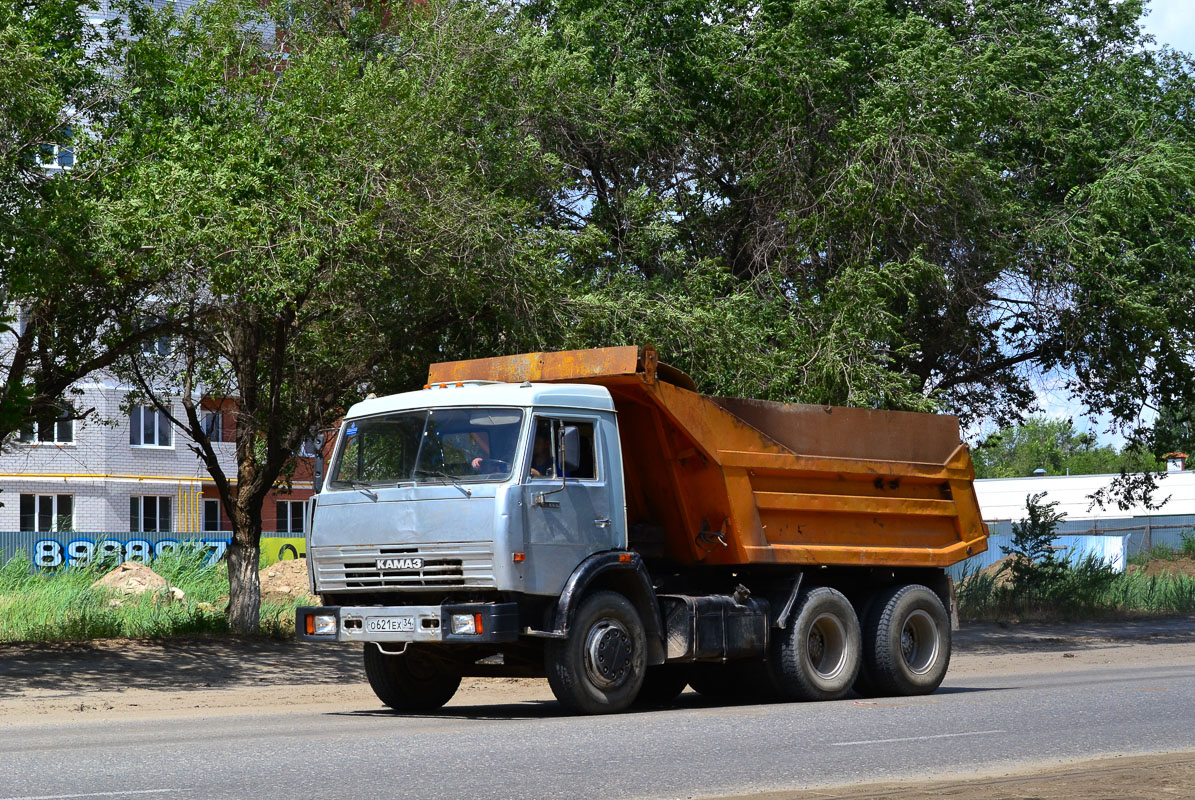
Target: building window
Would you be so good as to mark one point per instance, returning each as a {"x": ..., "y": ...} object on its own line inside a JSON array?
[
  {"x": 212, "y": 423},
  {"x": 149, "y": 514},
  {"x": 211, "y": 515},
  {"x": 149, "y": 427},
  {"x": 61, "y": 431},
  {"x": 290, "y": 516},
  {"x": 47, "y": 512},
  {"x": 159, "y": 344}
]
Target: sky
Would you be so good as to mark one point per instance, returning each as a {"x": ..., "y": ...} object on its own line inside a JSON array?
[{"x": 1172, "y": 22}]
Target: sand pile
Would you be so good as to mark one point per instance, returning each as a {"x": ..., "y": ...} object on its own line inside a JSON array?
[
  {"x": 134, "y": 578},
  {"x": 285, "y": 582}
]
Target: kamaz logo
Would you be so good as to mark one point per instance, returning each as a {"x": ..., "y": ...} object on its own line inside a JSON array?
[{"x": 400, "y": 563}]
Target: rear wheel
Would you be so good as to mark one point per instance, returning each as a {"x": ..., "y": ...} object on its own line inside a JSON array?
[
  {"x": 600, "y": 667},
  {"x": 817, "y": 655},
  {"x": 907, "y": 640},
  {"x": 412, "y": 682}
]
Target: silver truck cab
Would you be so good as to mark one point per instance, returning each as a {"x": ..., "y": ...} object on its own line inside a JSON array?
[{"x": 438, "y": 502}]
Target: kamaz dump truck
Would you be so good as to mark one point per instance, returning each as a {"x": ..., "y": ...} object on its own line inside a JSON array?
[{"x": 588, "y": 516}]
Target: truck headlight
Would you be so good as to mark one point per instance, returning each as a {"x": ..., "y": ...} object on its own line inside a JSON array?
[
  {"x": 466, "y": 624},
  {"x": 323, "y": 624}
]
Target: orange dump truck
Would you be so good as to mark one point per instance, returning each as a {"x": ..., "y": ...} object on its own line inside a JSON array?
[{"x": 588, "y": 516}]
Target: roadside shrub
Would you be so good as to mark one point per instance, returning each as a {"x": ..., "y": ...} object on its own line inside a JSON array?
[
  {"x": 1033, "y": 566},
  {"x": 1086, "y": 589},
  {"x": 1036, "y": 584},
  {"x": 1186, "y": 547},
  {"x": 977, "y": 594}
]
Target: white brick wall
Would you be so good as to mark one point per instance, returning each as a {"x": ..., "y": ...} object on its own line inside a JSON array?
[{"x": 102, "y": 470}]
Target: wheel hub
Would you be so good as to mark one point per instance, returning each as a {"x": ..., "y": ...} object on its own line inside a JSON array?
[
  {"x": 919, "y": 642},
  {"x": 825, "y": 646},
  {"x": 608, "y": 653}
]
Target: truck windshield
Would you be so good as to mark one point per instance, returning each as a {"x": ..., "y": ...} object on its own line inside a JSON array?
[{"x": 437, "y": 445}]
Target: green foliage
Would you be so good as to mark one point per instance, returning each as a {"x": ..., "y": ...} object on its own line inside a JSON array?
[
  {"x": 1017, "y": 167},
  {"x": 888, "y": 204},
  {"x": 1055, "y": 446},
  {"x": 336, "y": 210},
  {"x": 1187, "y": 543},
  {"x": 1033, "y": 565},
  {"x": 1174, "y": 430},
  {"x": 80, "y": 300},
  {"x": 1159, "y": 552},
  {"x": 62, "y": 606},
  {"x": 1034, "y": 583},
  {"x": 1162, "y": 593},
  {"x": 1090, "y": 590}
]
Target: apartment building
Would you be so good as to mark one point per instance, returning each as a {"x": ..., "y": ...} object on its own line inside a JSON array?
[{"x": 123, "y": 480}]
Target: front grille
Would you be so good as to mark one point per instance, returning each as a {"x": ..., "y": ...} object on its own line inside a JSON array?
[{"x": 446, "y": 565}]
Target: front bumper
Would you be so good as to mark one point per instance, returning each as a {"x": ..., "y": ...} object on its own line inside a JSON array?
[{"x": 499, "y": 622}]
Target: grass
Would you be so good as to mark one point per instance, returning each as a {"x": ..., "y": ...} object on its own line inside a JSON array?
[
  {"x": 42, "y": 606},
  {"x": 1086, "y": 589},
  {"x": 1165, "y": 552}
]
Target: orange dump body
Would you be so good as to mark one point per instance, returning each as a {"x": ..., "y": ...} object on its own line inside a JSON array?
[{"x": 723, "y": 481}]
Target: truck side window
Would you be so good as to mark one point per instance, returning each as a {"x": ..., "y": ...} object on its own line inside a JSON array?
[{"x": 545, "y": 455}]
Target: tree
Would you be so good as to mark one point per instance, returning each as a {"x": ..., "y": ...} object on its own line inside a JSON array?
[
  {"x": 1055, "y": 446},
  {"x": 1033, "y": 566},
  {"x": 333, "y": 206},
  {"x": 971, "y": 194},
  {"x": 78, "y": 307},
  {"x": 1174, "y": 430}
]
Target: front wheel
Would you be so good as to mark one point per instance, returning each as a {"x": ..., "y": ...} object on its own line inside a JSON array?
[
  {"x": 600, "y": 667},
  {"x": 413, "y": 682},
  {"x": 907, "y": 642}
]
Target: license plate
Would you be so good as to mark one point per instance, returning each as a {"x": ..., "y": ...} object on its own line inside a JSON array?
[{"x": 390, "y": 624}]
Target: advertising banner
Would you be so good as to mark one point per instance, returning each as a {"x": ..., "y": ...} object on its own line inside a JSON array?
[{"x": 53, "y": 550}]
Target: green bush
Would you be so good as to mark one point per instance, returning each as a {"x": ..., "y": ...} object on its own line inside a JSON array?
[
  {"x": 1186, "y": 547},
  {"x": 1036, "y": 584},
  {"x": 1159, "y": 552},
  {"x": 1085, "y": 589},
  {"x": 1033, "y": 566}
]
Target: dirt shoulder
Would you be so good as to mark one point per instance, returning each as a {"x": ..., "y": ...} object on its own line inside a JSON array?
[
  {"x": 1157, "y": 777},
  {"x": 227, "y": 675}
]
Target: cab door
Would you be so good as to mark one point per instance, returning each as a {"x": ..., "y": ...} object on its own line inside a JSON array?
[{"x": 567, "y": 513}]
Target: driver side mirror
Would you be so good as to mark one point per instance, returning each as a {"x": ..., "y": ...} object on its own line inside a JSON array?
[
  {"x": 317, "y": 477},
  {"x": 570, "y": 448}
]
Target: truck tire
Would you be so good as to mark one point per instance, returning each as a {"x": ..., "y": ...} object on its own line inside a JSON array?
[
  {"x": 661, "y": 685},
  {"x": 864, "y": 685},
  {"x": 410, "y": 683},
  {"x": 817, "y": 655},
  {"x": 600, "y": 667},
  {"x": 907, "y": 642}
]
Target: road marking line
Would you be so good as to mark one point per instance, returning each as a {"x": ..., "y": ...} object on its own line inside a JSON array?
[
  {"x": 906, "y": 739},
  {"x": 90, "y": 794}
]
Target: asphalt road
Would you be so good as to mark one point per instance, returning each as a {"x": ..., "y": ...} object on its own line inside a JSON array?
[{"x": 971, "y": 725}]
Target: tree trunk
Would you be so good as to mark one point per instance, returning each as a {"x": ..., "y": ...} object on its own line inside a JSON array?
[{"x": 244, "y": 582}]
